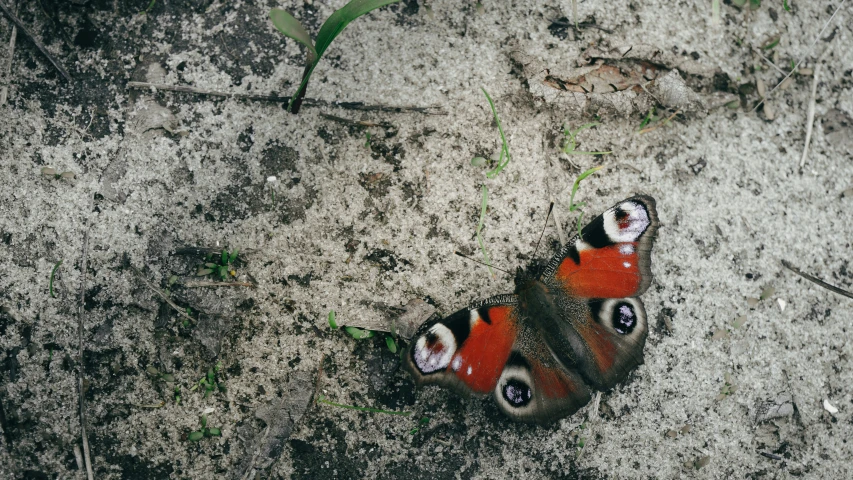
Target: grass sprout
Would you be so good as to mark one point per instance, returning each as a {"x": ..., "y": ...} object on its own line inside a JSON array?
[
  {"x": 331, "y": 28},
  {"x": 577, "y": 206},
  {"x": 570, "y": 143},
  {"x": 421, "y": 424},
  {"x": 504, "y": 147},
  {"x": 52, "y": 275},
  {"x": 480, "y": 228}
]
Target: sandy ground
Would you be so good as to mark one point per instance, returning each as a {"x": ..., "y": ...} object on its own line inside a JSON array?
[{"x": 364, "y": 225}]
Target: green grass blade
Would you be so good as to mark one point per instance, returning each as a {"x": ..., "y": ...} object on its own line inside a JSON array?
[
  {"x": 52, "y": 275},
  {"x": 575, "y": 206},
  {"x": 291, "y": 28},
  {"x": 504, "y": 146},
  {"x": 572, "y": 205},
  {"x": 331, "y": 28},
  {"x": 332, "y": 322},
  {"x": 480, "y": 227}
]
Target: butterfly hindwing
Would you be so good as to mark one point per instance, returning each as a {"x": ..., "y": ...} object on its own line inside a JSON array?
[
  {"x": 533, "y": 386},
  {"x": 614, "y": 335},
  {"x": 466, "y": 351},
  {"x": 492, "y": 347}
]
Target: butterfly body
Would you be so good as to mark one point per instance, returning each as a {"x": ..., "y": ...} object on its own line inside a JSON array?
[{"x": 571, "y": 326}]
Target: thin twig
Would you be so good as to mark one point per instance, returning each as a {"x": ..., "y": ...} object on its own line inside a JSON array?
[
  {"x": 308, "y": 102},
  {"x": 797, "y": 66},
  {"x": 769, "y": 62},
  {"x": 81, "y": 372},
  {"x": 811, "y": 109},
  {"x": 771, "y": 456},
  {"x": 35, "y": 41},
  {"x": 359, "y": 123},
  {"x": 218, "y": 284},
  {"x": 165, "y": 298},
  {"x": 659, "y": 124},
  {"x": 7, "y": 78},
  {"x": 831, "y": 288}
]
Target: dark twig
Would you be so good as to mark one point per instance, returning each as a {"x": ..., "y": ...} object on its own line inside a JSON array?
[
  {"x": 358, "y": 123},
  {"x": 771, "y": 456},
  {"x": 35, "y": 41},
  {"x": 308, "y": 102},
  {"x": 165, "y": 298},
  {"x": 81, "y": 372},
  {"x": 831, "y": 288},
  {"x": 7, "y": 75}
]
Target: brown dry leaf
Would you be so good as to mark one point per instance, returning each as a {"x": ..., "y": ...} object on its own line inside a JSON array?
[{"x": 621, "y": 81}]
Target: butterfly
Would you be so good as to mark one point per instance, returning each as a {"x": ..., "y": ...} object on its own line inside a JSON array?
[{"x": 572, "y": 326}]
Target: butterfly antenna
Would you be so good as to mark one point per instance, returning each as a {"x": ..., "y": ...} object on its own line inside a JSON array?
[
  {"x": 466, "y": 257},
  {"x": 547, "y": 217}
]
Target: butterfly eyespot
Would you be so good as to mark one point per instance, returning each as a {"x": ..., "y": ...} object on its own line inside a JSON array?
[
  {"x": 516, "y": 393},
  {"x": 624, "y": 318},
  {"x": 434, "y": 350}
]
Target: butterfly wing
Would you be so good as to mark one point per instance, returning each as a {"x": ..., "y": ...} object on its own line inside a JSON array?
[
  {"x": 466, "y": 351},
  {"x": 599, "y": 328},
  {"x": 491, "y": 347}
]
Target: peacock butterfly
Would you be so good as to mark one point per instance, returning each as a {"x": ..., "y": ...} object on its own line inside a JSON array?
[{"x": 572, "y": 326}]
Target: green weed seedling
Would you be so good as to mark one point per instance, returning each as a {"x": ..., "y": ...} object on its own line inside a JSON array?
[
  {"x": 650, "y": 117},
  {"x": 421, "y": 424},
  {"x": 577, "y": 206},
  {"x": 359, "y": 333},
  {"x": 204, "y": 431},
  {"x": 223, "y": 269},
  {"x": 209, "y": 383},
  {"x": 364, "y": 334},
  {"x": 728, "y": 388},
  {"x": 159, "y": 377},
  {"x": 331, "y": 28},
  {"x": 570, "y": 142}
]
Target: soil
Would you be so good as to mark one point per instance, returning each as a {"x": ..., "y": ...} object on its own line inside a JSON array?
[{"x": 360, "y": 212}]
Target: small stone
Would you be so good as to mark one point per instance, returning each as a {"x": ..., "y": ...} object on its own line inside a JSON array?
[{"x": 829, "y": 407}]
